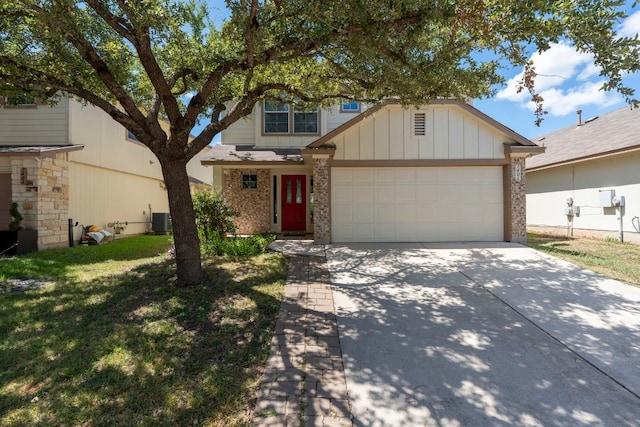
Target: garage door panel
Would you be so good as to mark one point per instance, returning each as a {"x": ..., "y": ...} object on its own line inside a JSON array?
[
  {"x": 384, "y": 214},
  {"x": 342, "y": 194},
  {"x": 364, "y": 175},
  {"x": 363, "y": 214},
  {"x": 417, "y": 204},
  {"x": 385, "y": 175},
  {"x": 384, "y": 194},
  {"x": 364, "y": 194},
  {"x": 426, "y": 175},
  {"x": 406, "y": 175},
  {"x": 405, "y": 193},
  {"x": 342, "y": 175}
]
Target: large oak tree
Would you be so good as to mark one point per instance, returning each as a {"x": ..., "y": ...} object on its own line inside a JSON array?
[{"x": 143, "y": 61}]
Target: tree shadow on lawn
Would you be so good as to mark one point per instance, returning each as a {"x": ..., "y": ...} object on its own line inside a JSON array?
[{"x": 136, "y": 350}]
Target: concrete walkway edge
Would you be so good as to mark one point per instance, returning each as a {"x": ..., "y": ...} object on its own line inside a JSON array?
[{"x": 304, "y": 383}]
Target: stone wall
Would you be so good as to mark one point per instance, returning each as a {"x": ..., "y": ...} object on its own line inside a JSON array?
[
  {"x": 518, "y": 200},
  {"x": 42, "y": 195},
  {"x": 252, "y": 204},
  {"x": 322, "y": 201}
]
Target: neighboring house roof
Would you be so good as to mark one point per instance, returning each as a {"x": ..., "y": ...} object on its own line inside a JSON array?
[
  {"x": 248, "y": 154},
  {"x": 611, "y": 133},
  {"x": 37, "y": 150}
]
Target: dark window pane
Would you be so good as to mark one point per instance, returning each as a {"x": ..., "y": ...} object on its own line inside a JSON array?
[
  {"x": 276, "y": 122},
  {"x": 249, "y": 181},
  {"x": 305, "y": 122}
]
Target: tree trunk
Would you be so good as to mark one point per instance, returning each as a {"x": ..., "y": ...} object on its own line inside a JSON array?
[{"x": 185, "y": 232}]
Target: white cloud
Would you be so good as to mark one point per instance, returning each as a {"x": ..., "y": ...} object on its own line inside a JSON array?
[
  {"x": 566, "y": 81},
  {"x": 631, "y": 26},
  {"x": 561, "y": 102}
]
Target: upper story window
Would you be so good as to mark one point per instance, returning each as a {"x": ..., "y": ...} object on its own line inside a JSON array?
[
  {"x": 131, "y": 136},
  {"x": 281, "y": 118},
  {"x": 276, "y": 117},
  {"x": 349, "y": 106},
  {"x": 19, "y": 100}
]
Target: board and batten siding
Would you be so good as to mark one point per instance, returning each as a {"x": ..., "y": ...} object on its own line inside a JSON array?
[
  {"x": 449, "y": 133},
  {"x": 41, "y": 125}
]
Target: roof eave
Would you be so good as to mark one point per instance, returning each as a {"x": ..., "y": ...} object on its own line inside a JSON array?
[
  {"x": 584, "y": 159},
  {"x": 41, "y": 151},
  {"x": 251, "y": 162}
]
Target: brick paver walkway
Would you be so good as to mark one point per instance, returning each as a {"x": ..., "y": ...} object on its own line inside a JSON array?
[{"x": 304, "y": 382}]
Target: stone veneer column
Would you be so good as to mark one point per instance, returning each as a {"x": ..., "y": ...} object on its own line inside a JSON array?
[
  {"x": 44, "y": 199},
  {"x": 321, "y": 199},
  {"x": 516, "y": 180}
]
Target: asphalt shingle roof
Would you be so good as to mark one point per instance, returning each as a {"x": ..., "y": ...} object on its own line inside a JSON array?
[
  {"x": 608, "y": 133},
  {"x": 244, "y": 153}
]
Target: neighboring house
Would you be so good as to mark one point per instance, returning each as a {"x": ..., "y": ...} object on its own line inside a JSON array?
[
  {"x": 587, "y": 164},
  {"x": 441, "y": 172},
  {"x": 72, "y": 161}
]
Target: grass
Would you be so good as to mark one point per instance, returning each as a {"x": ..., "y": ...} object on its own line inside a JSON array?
[
  {"x": 113, "y": 342},
  {"x": 611, "y": 258}
]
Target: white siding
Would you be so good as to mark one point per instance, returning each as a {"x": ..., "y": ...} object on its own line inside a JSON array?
[
  {"x": 42, "y": 125},
  {"x": 99, "y": 196},
  {"x": 548, "y": 190},
  {"x": 451, "y": 133},
  {"x": 106, "y": 145}
]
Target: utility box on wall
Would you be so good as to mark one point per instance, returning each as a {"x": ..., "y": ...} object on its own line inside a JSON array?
[
  {"x": 161, "y": 222},
  {"x": 606, "y": 198}
]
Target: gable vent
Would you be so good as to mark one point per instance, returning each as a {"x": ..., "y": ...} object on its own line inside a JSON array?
[{"x": 419, "y": 124}]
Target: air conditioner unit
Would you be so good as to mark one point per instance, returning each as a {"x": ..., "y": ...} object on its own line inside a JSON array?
[{"x": 161, "y": 222}]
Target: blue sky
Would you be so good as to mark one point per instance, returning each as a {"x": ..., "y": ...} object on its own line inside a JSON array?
[{"x": 567, "y": 80}]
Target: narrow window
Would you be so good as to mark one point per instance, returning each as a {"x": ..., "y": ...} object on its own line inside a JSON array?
[
  {"x": 298, "y": 191},
  {"x": 311, "y": 198},
  {"x": 275, "y": 199},
  {"x": 276, "y": 117},
  {"x": 289, "y": 194},
  {"x": 249, "y": 181},
  {"x": 419, "y": 124}
]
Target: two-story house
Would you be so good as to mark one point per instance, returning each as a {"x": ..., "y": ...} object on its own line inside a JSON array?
[
  {"x": 74, "y": 162},
  {"x": 441, "y": 172}
]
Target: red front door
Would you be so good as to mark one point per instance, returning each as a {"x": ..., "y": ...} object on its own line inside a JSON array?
[{"x": 294, "y": 204}]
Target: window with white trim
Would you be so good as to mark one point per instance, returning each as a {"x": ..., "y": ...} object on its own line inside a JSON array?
[{"x": 280, "y": 118}]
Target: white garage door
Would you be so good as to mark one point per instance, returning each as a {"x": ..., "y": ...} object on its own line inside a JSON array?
[{"x": 421, "y": 204}]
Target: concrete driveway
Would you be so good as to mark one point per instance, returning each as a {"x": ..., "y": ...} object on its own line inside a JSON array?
[{"x": 484, "y": 335}]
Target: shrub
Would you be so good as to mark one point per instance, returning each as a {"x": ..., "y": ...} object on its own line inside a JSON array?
[
  {"x": 238, "y": 246},
  {"x": 213, "y": 218}
]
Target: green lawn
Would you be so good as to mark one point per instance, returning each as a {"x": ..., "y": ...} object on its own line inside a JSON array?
[
  {"x": 620, "y": 261},
  {"x": 114, "y": 342}
]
